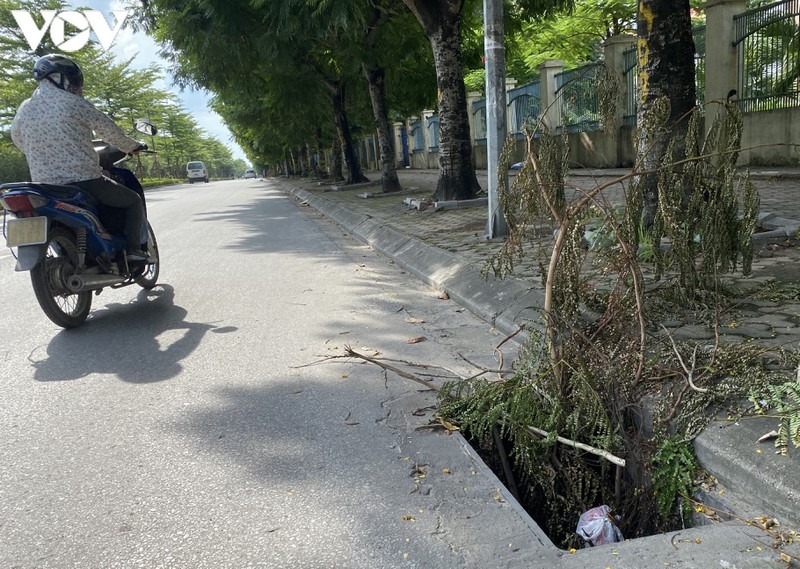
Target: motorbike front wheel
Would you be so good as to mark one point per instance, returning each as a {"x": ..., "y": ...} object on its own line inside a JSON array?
[
  {"x": 149, "y": 273},
  {"x": 49, "y": 280}
]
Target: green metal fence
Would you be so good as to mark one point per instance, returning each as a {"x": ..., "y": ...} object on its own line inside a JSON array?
[
  {"x": 768, "y": 40},
  {"x": 524, "y": 106},
  {"x": 630, "y": 73},
  {"x": 577, "y": 89},
  {"x": 479, "y": 120}
]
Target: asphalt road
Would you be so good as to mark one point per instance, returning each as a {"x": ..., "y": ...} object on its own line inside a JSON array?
[{"x": 183, "y": 427}]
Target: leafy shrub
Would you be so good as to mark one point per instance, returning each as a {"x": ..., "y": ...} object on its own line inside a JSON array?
[
  {"x": 673, "y": 478},
  {"x": 13, "y": 166}
]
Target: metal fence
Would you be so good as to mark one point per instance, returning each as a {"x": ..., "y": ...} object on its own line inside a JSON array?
[
  {"x": 631, "y": 78},
  {"x": 524, "y": 106},
  {"x": 416, "y": 135},
  {"x": 479, "y": 120},
  {"x": 699, "y": 37},
  {"x": 433, "y": 133},
  {"x": 768, "y": 41},
  {"x": 577, "y": 90}
]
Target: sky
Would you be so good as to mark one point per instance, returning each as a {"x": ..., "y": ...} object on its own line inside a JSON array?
[{"x": 144, "y": 52}]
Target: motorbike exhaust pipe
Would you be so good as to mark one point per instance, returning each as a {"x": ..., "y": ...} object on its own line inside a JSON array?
[{"x": 82, "y": 283}]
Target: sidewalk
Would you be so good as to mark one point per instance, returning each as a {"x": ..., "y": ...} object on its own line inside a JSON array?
[{"x": 446, "y": 249}]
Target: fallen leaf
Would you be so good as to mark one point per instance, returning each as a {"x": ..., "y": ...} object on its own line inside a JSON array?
[
  {"x": 447, "y": 424},
  {"x": 443, "y": 296},
  {"x": 416, "y": 340},
  {"x": 408, "y": 518},
  {"x": 768, "y": 436}
]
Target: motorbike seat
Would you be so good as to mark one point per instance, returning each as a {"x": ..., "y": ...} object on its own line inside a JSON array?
[{"x": 62, "y": 192}]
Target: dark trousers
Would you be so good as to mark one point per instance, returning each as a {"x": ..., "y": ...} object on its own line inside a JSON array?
[{"x": 112, "y": 194}]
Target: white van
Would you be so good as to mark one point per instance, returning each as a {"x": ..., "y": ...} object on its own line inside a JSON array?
[{"x": 196, "y": 171}]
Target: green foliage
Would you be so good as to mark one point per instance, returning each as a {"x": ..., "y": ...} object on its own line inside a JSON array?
[
  {"x": 698, "y": 202},
  {"x": 575, "y": 37},
  {"x": 536, "y": 190},
  {"x": 156, "y": 182},
  {"x": 776, "y": 291},
  {"x": 13, "y": 167},
  {"x": 781, "y": 401},
  {"x": 673, "y": 475},
  {"x": 556, "y": 481}
]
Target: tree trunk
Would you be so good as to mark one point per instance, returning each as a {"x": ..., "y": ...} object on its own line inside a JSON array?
[
  {"x": 441, "y": 21},
  {"x": 354, "y": 174},
  {"x": 377, "y": 92},
  {"x": 336, "y": 159},
  {"x": 666, "y": 70}
]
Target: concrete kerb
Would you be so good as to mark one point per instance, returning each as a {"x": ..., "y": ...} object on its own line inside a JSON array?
[
  {"x": 753, "y": 469},
  {"x": 776, "y": 228}
]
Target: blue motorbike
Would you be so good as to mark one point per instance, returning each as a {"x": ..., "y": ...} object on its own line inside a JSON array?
[{"x": 72, "y": 245}]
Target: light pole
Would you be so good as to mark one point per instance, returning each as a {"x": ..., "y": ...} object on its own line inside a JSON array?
[{"x": 494, "y": 49}]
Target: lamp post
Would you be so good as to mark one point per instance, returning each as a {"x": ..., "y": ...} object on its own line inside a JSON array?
[{"x": 494, "y": 49}]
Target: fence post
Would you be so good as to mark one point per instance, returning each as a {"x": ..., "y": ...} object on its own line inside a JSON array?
[
  {"x": 426, "y": 139},
  {"x": 722, "y": 64},
  {"x": 397, "y": 143},
  {"x": 511, "y": 84},
  {"x": 551, "y": 104},
  {"x": 473, "y": 96},
  {"x": 614, "y": 55}
]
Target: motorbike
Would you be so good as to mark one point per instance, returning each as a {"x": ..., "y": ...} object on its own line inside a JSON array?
[{"x": 73, "y": 246}]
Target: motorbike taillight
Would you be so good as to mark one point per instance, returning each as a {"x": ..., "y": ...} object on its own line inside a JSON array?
[{"x": 21, "y": 204}]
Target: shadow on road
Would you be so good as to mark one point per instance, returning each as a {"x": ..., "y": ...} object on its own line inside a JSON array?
[{"x": 143, "y": 341}]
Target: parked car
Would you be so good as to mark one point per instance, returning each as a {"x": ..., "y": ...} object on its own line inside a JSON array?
[
  {"x": 250, "y": 174},
  {"x": 196, "y": 171}
]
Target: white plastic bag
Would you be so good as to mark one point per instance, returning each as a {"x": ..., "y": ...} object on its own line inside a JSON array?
[{"x": 598, "y": 527}]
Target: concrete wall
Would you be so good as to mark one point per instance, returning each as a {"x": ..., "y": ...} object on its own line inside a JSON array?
[{"x": 769, "y": 138}]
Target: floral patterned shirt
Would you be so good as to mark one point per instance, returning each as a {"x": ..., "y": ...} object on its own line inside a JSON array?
[{"x": 54, "y": 130}]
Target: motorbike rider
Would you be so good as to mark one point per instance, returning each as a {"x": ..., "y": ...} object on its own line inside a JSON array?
[{"x": 54, "y": 130}]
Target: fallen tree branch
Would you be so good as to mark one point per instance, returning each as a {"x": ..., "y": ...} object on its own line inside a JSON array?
[
  {"x": 575, "y": 444},
  {"x": 349, "y": 352},
  {"x": 689, "y": 371},
  {"x": 500, "y": 353}
]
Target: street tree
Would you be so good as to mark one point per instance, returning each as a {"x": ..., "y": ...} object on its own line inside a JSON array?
[
  {"x": 222, "y": 46},
  {"x": 441, "y": 20},
  {"x": 667, "y": 92}
]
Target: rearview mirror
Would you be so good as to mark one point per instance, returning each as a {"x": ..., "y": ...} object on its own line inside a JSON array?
[{"x": 145, "y": 127}]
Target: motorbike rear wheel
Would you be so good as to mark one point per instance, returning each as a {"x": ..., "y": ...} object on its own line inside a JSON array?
[
  {"x": 148, "y": 276},
  {"x": 49, "y": 280}
]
